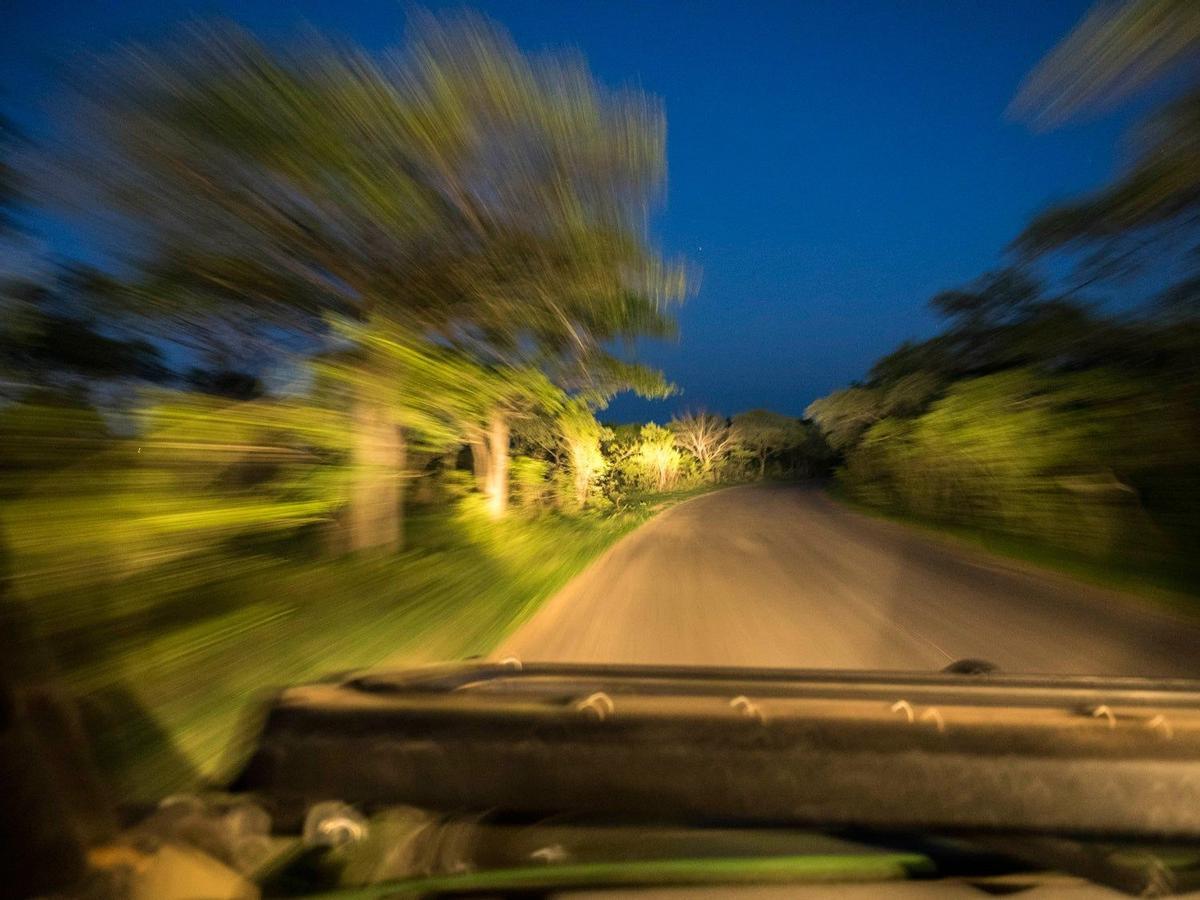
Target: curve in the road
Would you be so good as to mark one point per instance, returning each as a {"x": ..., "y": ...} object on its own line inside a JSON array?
[{"x": 783, "y": 576}]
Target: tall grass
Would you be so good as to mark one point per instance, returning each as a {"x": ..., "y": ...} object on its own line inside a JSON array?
[{"x": 171, "y": 667}]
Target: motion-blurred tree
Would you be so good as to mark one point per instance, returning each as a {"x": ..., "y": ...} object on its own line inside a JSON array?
[
  {"x": 582, "y": 436},
  {"x": 657, "y": 458},
  {"x": 10, "y": 191},
  {"x": 706, "y": 437},
  {"x": 456, "y": 189},
  {"x": 1047, "y": 417},
  {"x": 990, "y": 302},
  {"x": 1118, "y": 50},
  {"x": 505, "y": 395},
  {"x": 53, "y": 336},
  {"x": 843, "y": 416},
  {"x": 762, "y": 433}
]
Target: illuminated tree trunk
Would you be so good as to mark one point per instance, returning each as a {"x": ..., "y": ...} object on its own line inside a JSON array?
[
  {"x": 490, "y": 462},
  {"x": 375, "y": 519},
  {"x": 496, "y": 484}
]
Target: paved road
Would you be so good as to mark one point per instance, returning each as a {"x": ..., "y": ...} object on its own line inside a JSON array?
[{"x": 783, "y": 576}]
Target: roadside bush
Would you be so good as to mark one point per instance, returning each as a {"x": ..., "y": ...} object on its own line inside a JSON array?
[
  {"x": 586, "y": 462},
  {"x": 1043, "y": 457},
  {"x": 455, "y": 484},
  {"x": 529, "y": 482},
  {"x": 656, "y": 462}
]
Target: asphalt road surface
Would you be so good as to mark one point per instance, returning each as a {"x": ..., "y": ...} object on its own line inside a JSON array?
[{"x": 783, "y": 576}]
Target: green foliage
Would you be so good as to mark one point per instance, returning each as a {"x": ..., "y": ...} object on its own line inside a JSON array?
[
  {"x": 460, "y": 229},
  {"x": 581, "y": 436},
  {"x": 453, "y": 185},
  {"x": 656, "y": 460},
  {"x": 1117, "y": 50},
  {"x": 1061, "y": 459},
  {"x": 844, "y": 415},
  {"x": 1148, "y": 214},
  {"x": 910, "y": 394},
  {"x": 455, "y": 485},
  {"x": 170, "y": 666},
  {"x": 761, "y": 433},
  {"x": 47, "y": 431},
  {"x": 200, "y": 473},
  {"x": 439, "y": 245},
  {"x": 644, "y": 460},
  {"x": 1151, "y": 206},
  {"x": 1146, "y": 218},
  {"x": 530, "y": 481},
  {"x": 1040, "y": 417},
  {"x": 438, "y": 394},
  {"x": 1037, "y": 418}
]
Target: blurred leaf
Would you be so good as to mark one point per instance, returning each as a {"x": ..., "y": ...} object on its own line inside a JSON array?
[{"x": 1119, "y": 48}]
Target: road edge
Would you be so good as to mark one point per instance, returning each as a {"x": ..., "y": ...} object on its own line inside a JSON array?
[
  {"x": 535, "y": 605},
  {"x": 1162, "y": 603}
]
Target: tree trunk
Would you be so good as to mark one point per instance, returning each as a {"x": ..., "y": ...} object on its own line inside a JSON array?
[
  {"x": 496, "y": 489},
  {"x": 376, "y": 494},
  {"x": 762, "y": 466},
  {"x": 477, "y": 441}
]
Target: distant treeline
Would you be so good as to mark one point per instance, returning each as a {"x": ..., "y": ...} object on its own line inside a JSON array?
[{"x": 1037, "y": 417}]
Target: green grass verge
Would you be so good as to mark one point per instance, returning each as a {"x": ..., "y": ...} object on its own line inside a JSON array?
[
  {"x": 1173, "y": 588},
  {"x": 170, "y": 694}
]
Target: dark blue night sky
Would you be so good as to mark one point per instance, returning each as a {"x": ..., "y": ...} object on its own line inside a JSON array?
[{"x": 832, "y": 164}]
